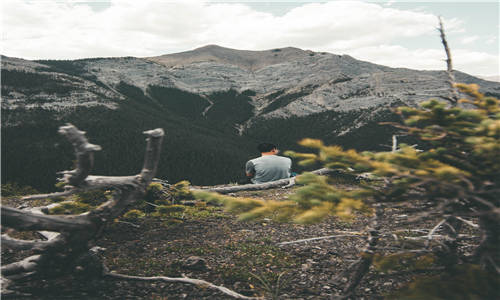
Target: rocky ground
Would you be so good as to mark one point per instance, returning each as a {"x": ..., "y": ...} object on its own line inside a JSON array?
[{"x": 207, "y": 243}]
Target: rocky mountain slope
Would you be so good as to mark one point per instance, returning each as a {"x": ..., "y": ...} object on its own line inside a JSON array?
[
  {"x": 285, "y": 82},
  {"x": 239, "y": 97}
]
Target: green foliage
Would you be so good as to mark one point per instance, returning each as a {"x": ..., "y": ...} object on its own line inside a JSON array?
[
  {"x": 251, "y": 208},
  {"x": 181, "y": 191},
  {"x": 166, "y": 210},
  {"x": 154, "y": 194},
  {"x": 464, "y": 151},
  {"x": 133, "y": 215},
  {"x": 466, "y": 282}
]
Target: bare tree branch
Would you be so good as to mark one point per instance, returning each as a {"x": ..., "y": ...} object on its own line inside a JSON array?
[
  {"x": 17, "y": 244},
  {"x": 84, "y": 154},
  {"x": 472, "y": 224},
  {"x": 152, "y": 156},
  {"x": 24, "y": 220},
  {"x": 198, "y": 282},
  {"x": 26, "y": 265}
]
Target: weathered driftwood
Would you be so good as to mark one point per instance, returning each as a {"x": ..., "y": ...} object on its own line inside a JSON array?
[
  {"x": 70, "y": 238},
  {"x": 287, "y": 182}
]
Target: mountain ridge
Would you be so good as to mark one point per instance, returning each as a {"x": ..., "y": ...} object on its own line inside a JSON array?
[
  {"x": 245, "y": 59},
  {"x": 214, "y": 110}
]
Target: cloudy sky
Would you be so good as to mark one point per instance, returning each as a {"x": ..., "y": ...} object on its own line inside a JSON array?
[{"x": 394, "y": 33}]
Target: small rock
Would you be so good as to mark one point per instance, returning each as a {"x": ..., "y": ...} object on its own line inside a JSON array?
[
  {"x": 195, "y": 263},
  {"x": 326, "y": 287},
  {"x": 387, "y": 283}
]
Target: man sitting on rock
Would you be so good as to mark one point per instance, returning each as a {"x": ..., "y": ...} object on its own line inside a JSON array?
[{"x": 268, "y": 167}]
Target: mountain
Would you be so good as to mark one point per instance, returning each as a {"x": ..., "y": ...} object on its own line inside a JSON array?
[{"x": 215, "y": 104}]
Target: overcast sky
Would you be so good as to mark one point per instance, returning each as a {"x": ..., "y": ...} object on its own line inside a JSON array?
[{"x": 392, "y": 33}]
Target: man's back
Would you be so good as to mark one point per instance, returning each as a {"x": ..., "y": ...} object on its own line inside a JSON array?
[{"x": 269, "y": 168}]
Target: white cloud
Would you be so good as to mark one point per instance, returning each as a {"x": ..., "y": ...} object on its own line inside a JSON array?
[
  {"x": 469, "y": 39},
  {"x": 62, "y": 30},
  {"x": 472, "y": 62},
  {"x": 491, "y": 40},
  {"x": 390, "y": 2}
]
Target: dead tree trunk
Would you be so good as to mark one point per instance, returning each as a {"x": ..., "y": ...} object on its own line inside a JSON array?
[
  {"x": 67, "y": 251},
  {"x": 69, "y": 248}
]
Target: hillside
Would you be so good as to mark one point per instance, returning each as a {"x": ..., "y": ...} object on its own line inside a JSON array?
[
  {"x": 214, "y": 103},
  {"x": 228, "y": 252}
]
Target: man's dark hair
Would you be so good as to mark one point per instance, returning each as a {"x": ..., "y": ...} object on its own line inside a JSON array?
[{"x": 266, "y": 147}]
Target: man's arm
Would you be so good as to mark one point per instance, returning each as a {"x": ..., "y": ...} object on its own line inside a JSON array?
[{"x": 250, "y": 169}]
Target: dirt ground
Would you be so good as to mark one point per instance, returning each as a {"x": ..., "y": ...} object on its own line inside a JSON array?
[{"x": 204, "y": 242}]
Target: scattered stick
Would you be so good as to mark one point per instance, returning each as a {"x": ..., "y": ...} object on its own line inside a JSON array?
[
  {"x": 353, "y": 234},
  {"x": 468, "y": 222},
  {"x": 130, "y": 223},
  {"x": 429, "y": 236},
  {"x": 197, "y": 282}
]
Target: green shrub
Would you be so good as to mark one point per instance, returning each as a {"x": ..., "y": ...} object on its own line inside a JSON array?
[
  {"x": 133, "y": 215},
  {"x": 167, "y": 210},
  {"x": 153, "y": 192}
]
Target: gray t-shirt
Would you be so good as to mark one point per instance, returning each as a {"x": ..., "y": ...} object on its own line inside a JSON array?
[{"x": 269, "y": 168}]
